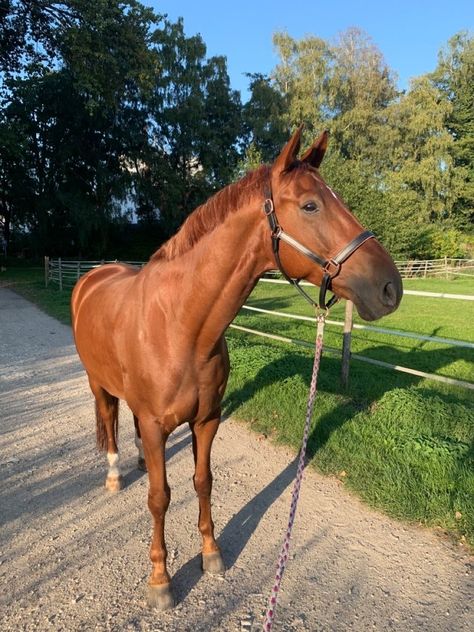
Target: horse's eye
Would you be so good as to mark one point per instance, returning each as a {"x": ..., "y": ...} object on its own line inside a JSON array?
[{"x": 310, "y": 207}]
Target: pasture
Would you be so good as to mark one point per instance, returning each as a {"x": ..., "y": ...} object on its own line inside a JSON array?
[{"x": 404, "y": 444}]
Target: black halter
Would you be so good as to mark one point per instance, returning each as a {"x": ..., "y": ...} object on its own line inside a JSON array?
[{"x": 331, "y": 267}]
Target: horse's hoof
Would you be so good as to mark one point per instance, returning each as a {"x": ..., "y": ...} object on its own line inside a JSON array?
[
  {"x": 213, "y": 563},
  {"x": 160, "y": 597},
  {"x": 141, "y": 464},
  {"x": 113, "y": 483}
]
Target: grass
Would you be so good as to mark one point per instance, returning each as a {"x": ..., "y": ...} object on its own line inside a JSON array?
[
  {"x": 403, "y": 444},
  {"x": 428, "y": 316}
]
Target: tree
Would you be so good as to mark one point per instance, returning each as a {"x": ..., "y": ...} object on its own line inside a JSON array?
[
  {"x": 16, "y": 185},
  {"x": 264, "y": 120},
  {"x": 421, "y": 181},
  {"x": 72, "y": 108},
  {"x": 30, "y": 31},
  {"x": 302, "y": 79},
  {"x": 360, "y": 87},
  {"x": 400, "y": 161},
  {"x": 195, "y": 122},
  {"x": 71, "y": 161},
  {"x": 109, "y": 51},
  {"x": 454, "y": 77}
]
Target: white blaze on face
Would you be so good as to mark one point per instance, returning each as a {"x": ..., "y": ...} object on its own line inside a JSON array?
[
  {"x": 138, "y": 443},
  {"x": 113, "y": 459},
  {"x": 332, "y": 193},
  {"x": 324, "y": 185}
]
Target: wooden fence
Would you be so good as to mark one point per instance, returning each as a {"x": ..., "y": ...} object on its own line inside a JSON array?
[
  {"x": 346, "y": 353},
  {"x": 66, "y": 272},
  {"x": 446, "y": 267}
]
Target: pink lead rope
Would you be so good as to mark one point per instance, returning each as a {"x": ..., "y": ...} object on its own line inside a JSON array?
[{"x": 283, "y": 557}]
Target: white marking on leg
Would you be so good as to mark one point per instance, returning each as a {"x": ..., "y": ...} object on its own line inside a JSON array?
[
  {"x": 139, "y": 444},
  {"x": 113, "y": 459}
]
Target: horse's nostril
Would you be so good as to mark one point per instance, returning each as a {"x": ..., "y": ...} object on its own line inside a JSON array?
[{"x": 389, "y": 296}]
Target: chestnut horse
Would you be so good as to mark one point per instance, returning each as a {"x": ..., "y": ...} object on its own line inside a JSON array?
[{"x": 155, "y": 337}]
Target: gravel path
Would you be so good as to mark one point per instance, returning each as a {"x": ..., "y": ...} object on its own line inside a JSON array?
[{"x": 74, "y": 557}]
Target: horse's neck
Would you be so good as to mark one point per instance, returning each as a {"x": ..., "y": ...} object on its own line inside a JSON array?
[{"x": 219, "y": 272}]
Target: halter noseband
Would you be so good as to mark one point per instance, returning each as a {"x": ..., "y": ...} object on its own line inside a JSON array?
[{"x": 331, "y": 267}]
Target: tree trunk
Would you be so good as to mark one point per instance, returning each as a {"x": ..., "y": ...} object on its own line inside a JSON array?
[{"x": 6, "y": 228}]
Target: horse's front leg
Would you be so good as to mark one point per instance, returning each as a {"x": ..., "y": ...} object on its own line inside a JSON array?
[
  {"x": 203, "y": 436},
  {"x": 154, "y": 441}
]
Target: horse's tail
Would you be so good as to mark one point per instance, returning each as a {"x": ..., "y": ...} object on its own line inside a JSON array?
[{"x": 101, "y": 429}]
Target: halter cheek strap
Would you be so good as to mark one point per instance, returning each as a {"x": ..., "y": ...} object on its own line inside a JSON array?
[{"x": 331, "y": 267}]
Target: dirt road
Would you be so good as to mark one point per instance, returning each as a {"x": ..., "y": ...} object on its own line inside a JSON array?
[{"x": 74, "y": 557}]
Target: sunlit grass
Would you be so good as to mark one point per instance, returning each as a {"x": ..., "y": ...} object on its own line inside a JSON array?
[
  {"x": 438, "y": 317},
  {"x": 405, "y": 445}
]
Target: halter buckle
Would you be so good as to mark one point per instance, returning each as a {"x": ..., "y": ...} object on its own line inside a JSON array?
[{"x": 327, "y": 268}]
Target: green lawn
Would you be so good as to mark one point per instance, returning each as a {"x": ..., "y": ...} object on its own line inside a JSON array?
[
  {"x": 422, "y": 315},
  {"x": 404, "y": 444}
]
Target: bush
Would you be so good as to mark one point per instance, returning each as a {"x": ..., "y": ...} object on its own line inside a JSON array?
[{"x": 447, "y": 243}]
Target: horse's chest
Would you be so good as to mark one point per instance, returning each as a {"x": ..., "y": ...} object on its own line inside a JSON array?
[{"x": 180, "y": 391}]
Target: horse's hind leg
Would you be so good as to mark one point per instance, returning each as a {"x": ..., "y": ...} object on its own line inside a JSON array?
[
  {"x": 139, "y": 445},
  {"x": 203, "y": 436},
  {"x": 106, "y": 408}
]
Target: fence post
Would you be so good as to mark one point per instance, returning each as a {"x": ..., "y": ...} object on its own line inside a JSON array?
[
  {"x": 446, "y": 266},
  {"x": 346, "y": 344},
  {"x": 60, "y": 273},
  {"x": 78, "y": 270},
  {"x": 46, "y": 271}
]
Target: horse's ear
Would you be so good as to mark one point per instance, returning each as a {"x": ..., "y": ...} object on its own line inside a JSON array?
[
  {"x": 289, "y": 153},
  {"x": 315, "y": 154}
]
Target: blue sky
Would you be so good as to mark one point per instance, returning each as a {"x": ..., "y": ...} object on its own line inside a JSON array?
[{"x": 409, "y": 33}]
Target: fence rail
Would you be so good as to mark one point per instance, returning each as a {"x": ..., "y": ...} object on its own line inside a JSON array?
[
  {"x": 436, "y": 267},
  {"x": 379, "y": 330},
  {"x": 270, "y": 278},
  {"x": 356, "y": 356},
  {"x": 447, "y": 267},
  {"x": 66, "y": 273}
]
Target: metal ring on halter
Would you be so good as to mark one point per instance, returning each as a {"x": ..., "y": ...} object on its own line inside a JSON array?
[
  {"x": 321, "y": 312},
  {"x": 268, "y": 206}
]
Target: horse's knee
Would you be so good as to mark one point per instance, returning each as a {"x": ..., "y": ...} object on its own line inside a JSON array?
[
  {"x": 203, "y": 484},
  {"x": 158, "y": 501}
]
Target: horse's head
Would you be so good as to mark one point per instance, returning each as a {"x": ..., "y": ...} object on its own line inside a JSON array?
[{"x": 308, "y": 211}]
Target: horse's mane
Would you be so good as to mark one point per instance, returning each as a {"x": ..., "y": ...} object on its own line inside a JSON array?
[{"x": 212, "y": 213}]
